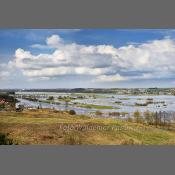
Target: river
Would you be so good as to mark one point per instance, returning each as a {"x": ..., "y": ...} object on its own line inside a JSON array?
[{"x": 119, "y": 103}]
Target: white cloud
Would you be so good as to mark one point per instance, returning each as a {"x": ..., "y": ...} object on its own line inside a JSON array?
[
  {"x": 110, "y": 78},
  {"x": 150, "y": 60},
  {"x": 54, "y": 40},
  {"x": 5, "y": 71}
]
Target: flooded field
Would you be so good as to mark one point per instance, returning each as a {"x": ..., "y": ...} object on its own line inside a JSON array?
[{"x": 89, "y": 103}]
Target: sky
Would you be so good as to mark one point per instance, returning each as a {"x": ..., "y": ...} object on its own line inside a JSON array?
[{"x": 87, "y": 58}]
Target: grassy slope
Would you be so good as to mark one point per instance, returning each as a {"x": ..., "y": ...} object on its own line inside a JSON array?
[{"x": 50, "y": 127}]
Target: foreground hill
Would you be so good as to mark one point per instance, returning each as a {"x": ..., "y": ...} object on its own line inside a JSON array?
[{"x": 57, "y": 127}]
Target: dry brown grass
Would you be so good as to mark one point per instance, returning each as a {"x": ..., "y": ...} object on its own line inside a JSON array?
[{"x": 59, "y": 128}]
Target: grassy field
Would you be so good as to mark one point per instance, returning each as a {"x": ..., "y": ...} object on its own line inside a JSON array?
[
  {"x": 56, "y": 127},
  {"x": 95, "y": 106}
]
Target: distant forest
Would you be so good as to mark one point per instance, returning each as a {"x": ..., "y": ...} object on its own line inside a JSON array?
[{"x": 133, "y": 91}]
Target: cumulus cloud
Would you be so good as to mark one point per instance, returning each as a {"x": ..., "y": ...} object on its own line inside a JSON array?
[
  {"x": 6, "y": 71},
  {"x": 110, "y": 78},
  {"x": 54, "y": 40},
  {"x": 150, "y": 60}
]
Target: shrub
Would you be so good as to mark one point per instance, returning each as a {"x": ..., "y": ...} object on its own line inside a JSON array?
[
  {"x": 72, "y": 139},
  {"x": 7, "y": 98},
  {"x": 72, "y": 112},
  {"x": 128, "y": 142},
  {"x": 50, "y": 98},
  {"x": 129, "y": 119},
  {"x": 4, "y": 140},
  {"x": 114, "y": 113},
  {"x": 2, "y": 106},
  {"x": 98, "y": 113},
  {"x": 118, "y": 102},
  {"x": 138, "y": 117},
  {"x": 149, "y": 99},
  {"x": 149, "y": 117},
  {"x": 141, "y": 104},
  {"x": 159, "y": 119},
  {"x": 124, "y": 113}
]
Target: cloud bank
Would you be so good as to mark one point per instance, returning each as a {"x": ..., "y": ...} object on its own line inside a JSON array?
[{"x": 104, "y": 63}]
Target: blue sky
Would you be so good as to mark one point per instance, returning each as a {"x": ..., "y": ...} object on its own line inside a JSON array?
[{"x": 70, "y": 58}]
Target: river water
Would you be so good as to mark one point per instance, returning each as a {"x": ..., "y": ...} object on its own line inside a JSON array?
[{"x": 119, "y": 103}]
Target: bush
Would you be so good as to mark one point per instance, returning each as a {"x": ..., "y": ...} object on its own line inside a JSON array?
[
  {"x": 149, "y": 117},
  {"x": 72, "y": 112},
  {"x": 72, "y": 139},
  {"x": 137, "y": 116},
  {"x": 128, "y": 142},
  {"x": 118, "y": 102},
  {"x": 114, "y": 113},
  {"x": 149, "y": 99},
  {"x": 50, "y": 98},
  {"x": 129, "y": 119},
  {"x": 98, "y": 113},
  {"x": 7, "y": 98},
  {"x": 2, "y": 106},
  {"x": 4, "y": 140},
  {"x": 141, "y": 104}
]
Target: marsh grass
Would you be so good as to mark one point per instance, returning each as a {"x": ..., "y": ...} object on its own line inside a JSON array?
[{"x": 95, "y": 106}]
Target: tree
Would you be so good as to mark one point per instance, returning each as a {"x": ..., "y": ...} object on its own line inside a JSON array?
[
  {"x": 137, "y": 117},
  {"x": 72, "y": 112},
  {"x": 149, "y": 117},
  {"x": 157, "y": 118},
  {"x": 51, "y": 98},
  {"x": 2, "y": 106},
  {"x": 129, "y": 119}
]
